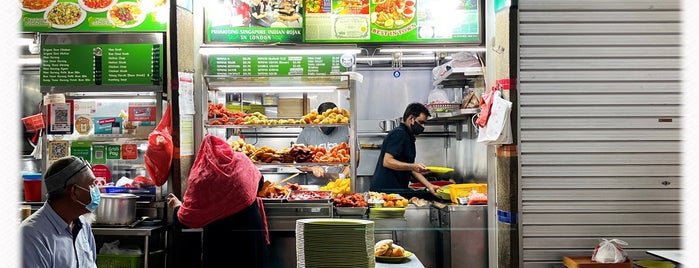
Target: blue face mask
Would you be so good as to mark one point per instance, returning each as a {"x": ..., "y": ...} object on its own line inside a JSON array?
[{"x": 94, "y": 198}]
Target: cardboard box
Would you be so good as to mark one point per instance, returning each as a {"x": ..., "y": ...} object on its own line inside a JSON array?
[
  {"x": 291, "y": 107},
  {"x": 587, "y": 262}
]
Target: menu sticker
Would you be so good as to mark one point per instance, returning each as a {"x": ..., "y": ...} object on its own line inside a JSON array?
[
  {"x": 114, "y": 151},
  {"x": 129, "y": 151},
  {"x": 99, "y": 154},
  {"x": 60, "y": 118},
  {"x": 142, "y": 112},
  {"x": 107, "y": 125},
  {"x": 82, "y": 149}
]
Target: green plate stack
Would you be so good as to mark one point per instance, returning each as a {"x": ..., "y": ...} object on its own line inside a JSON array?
[
  {"x": 334, "y": 243},
  {"x": 386, "y": 213}
]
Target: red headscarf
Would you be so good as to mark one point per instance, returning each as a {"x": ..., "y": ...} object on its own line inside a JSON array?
[{"x": 222, "y": 182}]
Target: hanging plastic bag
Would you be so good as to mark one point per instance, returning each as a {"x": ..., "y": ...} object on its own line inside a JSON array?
[
  {"x": 610, "y": 251},
  {"x": 486, "y": 103},
  {"x": 158, "y": 158},
  {"x": 499, "y": 129}
]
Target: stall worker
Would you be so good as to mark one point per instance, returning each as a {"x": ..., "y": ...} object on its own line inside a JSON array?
[
  {"x": 327, "y": 137},
  {"x": 59, "y": 233},
  {"x": 396, "y": 162},
  {"x": 221, "y": 198}
]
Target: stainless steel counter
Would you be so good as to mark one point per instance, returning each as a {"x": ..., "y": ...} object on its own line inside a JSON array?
[{"x": 125, "y": 231}]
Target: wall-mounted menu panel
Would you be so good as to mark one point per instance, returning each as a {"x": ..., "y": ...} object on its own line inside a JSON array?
[
  {"x": 275, "y": 65},
  {"x": 120, "y": 62}
]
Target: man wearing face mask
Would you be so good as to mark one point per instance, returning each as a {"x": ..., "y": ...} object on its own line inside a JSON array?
[
  {"x": 327, "y": 137},
  {"x": 396, "y": 162},
  {"x": 59, "y": 233}
]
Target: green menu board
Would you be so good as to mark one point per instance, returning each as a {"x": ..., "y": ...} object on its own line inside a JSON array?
[
  {"x": 345, "y": 21},
  {"x": 272, "y": 65},
  {"x": 103, "y": 64},
  {"x": 94, "y": 16}
]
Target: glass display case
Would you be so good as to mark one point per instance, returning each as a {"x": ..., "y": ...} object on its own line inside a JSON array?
[{"x": 263, "y": 116}]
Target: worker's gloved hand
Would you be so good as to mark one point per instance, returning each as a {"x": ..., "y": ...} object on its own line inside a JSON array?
[{"x": 318, "y": 171}]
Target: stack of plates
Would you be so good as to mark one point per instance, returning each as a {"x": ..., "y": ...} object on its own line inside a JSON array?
[
  {"x": 386, "y": 213},
  {"x": 334, "y": 243}
]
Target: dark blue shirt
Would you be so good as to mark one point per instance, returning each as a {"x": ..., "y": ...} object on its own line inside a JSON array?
[{"x": 400, "y": 143}]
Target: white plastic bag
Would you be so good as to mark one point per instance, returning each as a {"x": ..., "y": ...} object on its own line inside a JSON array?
[
  {"x": 610, "y": 251},
  {"x": 498, "y": 130}
]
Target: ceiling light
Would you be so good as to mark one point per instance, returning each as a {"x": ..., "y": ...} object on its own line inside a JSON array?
[
  {"x": 431, "y": 49},
  {"x": 289, "y": 89}
]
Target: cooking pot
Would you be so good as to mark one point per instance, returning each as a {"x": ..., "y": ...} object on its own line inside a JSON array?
[{"x": 118, "y": 209}]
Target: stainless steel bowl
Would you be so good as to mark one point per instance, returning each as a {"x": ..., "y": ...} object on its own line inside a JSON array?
[{"x": 117, "y": 209}]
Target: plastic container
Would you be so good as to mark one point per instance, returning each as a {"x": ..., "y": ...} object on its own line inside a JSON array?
[
  {"x": 34, "y": 122},
  {"x": 465, "y": 189},
  {"x": 155, "y": 259},
  {"x": 32, "y": 187}
]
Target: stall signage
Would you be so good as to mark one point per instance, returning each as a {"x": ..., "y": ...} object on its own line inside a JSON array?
[
  {"x": 104, "y": 64},
  {"x": 94, "y": 16},
  {"x": 346, "y": 21},
  {"x": 272, "y": 65},
  {"x": 232, "y": 22},
  {"x": 395, "y": 21}
]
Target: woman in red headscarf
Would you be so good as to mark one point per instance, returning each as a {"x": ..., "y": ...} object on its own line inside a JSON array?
[{"x": 221, "y": 198}]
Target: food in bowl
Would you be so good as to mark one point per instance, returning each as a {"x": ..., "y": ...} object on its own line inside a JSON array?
[
  {"x": 126, "y": 14},
  {"x": 64, "y": 14},
  {"x": 36, "y": 5}
]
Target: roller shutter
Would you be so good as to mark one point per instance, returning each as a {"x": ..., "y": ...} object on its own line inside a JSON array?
[{"x": 600, "y": 121}]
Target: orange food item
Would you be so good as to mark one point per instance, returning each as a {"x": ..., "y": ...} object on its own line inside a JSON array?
[{"x": 36, "y": 4}]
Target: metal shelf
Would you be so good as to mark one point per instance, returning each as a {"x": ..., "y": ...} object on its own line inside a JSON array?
[{"x": 457, "y": 76}]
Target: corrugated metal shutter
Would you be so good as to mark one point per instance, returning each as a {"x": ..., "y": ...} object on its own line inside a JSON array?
[{"x": 600, "y": 126}]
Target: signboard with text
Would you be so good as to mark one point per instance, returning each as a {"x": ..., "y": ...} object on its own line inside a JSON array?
[
  {"x": 105, "y": 64},
  {"x": 94, "y": 16},
  {"x": 345, "y": 21},
  {"x": 274, "y": 65}
]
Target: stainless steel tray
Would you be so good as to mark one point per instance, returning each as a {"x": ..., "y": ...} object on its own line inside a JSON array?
[{"x": 350, "y": 211}]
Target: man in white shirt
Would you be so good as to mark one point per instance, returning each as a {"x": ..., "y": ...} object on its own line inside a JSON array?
[{"x": 59, "y": 234}]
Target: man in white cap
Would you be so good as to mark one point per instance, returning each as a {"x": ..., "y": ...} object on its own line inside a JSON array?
[{"x": 59, "y": 233}]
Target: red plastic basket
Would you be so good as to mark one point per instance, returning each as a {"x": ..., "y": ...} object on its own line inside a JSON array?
[{"x": 34, "y": 122}]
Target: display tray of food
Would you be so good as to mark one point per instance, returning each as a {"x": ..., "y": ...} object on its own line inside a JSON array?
[{"x": 310, "y": 196}]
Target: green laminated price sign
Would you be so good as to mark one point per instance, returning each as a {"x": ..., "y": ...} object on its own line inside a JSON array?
[
  {"x": 273, "y": 65},
  {"x": 113, "y": 151},
  {"x": 99, "y": 154},
  {"x": 94, "y": 16},
  {"x": 103, "y": 64},
  {"x": 81, "y": 149}
]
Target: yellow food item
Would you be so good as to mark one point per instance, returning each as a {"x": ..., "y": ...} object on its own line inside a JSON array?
[{"x": 339, "y": 186}]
